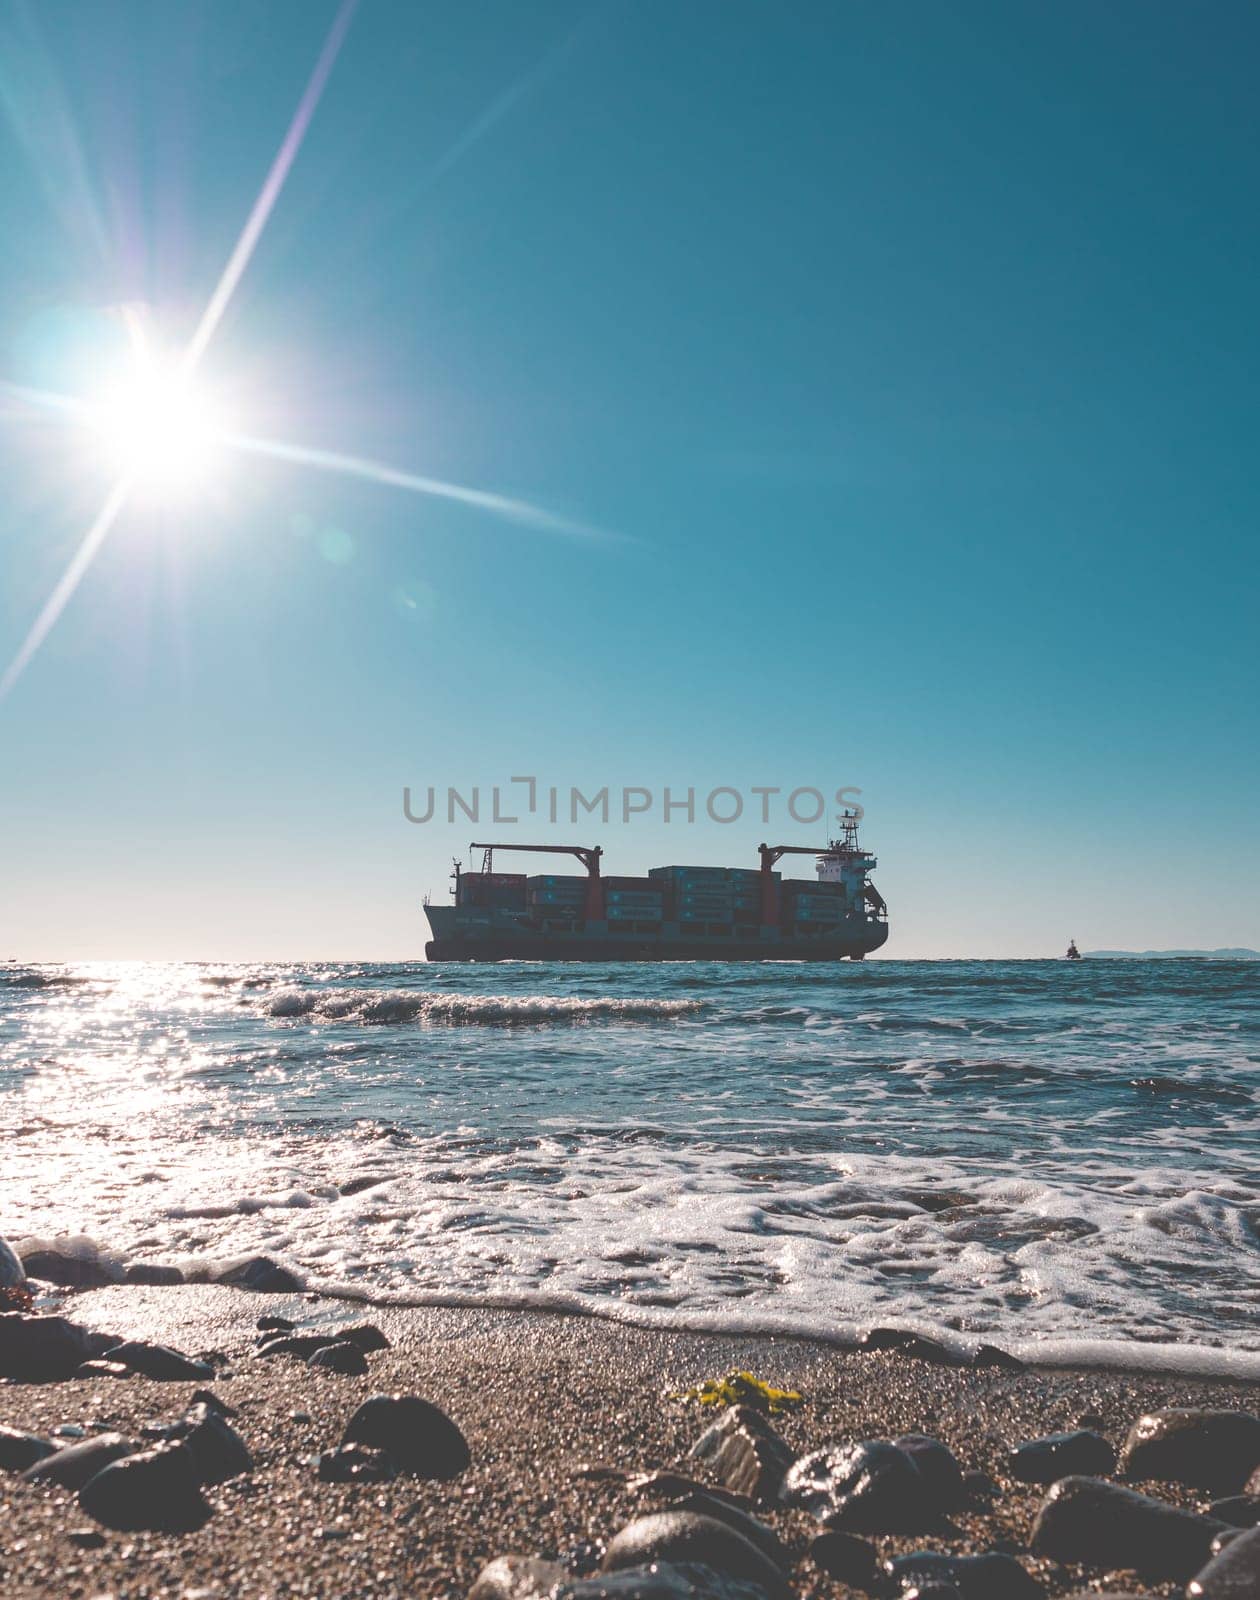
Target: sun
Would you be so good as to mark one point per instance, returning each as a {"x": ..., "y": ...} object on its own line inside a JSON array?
[{"x": 159, "y": 430}]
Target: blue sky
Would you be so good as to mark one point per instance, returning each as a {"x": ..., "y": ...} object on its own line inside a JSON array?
[{"x": 907, "y": 353}]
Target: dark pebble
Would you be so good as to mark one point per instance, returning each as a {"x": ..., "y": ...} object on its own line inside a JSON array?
[
  {"x": 846, "y": 1557},
  {"x": 155, "y": 1489},
  {"x": 1239, "y": 1510},
  {"x": 871, "y": 1487},
  {"x": 207, "y": 1397},
  {"x": 989, "y": 1355},
  {"x": 1100, "y": 1524},
  {"x": 69, "y": 1271},
  {"x": 262, "y": 1275},
  {"x": 366, "y": 1335},
  {"x": 938, "y": 1467},
  {"x": 986, "y": 1577},
  {"x": 218, "y": 1451},
  {"x": 1206, "y": 1449},
  {"x": 421, "y": 1438},
  {"x": 152, "y": 1272},
  {"x": 37, "y": 1349},
  {"x": 12, "y": 1275},
  {"x": 275, "y": 1325},
  {"x": 356, "y": 1463},
  {"x": 911, "y": 1344},
  {"x": 683, "y": 1537},
  {"x": 1059, "y": 1455},
  {"x": 346, "y": 1359},
  {"x": 73, "y": 1466},
  {"x": 21, "y": 1450},
  {"x": 745, "y": 1454},
  {"x": 752, "y": 1528},
  {"x": 1234, "y": 1574},
  {"x": 158, "y": 1361},
  {"x": 981, "y": 1487}
]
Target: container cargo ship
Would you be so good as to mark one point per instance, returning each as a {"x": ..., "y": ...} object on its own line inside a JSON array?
[{"x": 673, "y": 914}]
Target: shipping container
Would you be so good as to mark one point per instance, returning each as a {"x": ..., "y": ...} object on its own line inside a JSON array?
[
  {"x": 712, "y": 874},
  {"x": 721, "y": 878}
]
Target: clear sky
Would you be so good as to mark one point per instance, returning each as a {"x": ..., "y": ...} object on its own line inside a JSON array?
[{"x": 906, "y": 354}]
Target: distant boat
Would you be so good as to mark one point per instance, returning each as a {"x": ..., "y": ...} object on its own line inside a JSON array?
[{"x": 1073, "y": 954}]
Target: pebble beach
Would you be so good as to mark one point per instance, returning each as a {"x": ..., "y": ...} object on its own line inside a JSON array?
[{"x": 578, "y": 1437}]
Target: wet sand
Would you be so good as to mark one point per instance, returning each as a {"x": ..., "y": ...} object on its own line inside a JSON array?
[{"x": 539, "y": 1397}]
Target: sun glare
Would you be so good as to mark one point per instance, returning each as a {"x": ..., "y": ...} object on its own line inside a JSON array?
[{"x": 160, "y": 431}]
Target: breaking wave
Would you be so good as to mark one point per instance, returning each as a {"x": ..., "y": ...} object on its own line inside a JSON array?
[
  {"x": 15, "y": 977},
  {"x": 410, "y": 1005}
]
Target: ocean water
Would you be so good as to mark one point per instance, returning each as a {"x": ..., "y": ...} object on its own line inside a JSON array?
[{"x": 1059, "y": 1158}]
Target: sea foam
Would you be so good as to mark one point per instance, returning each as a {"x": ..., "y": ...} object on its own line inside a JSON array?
[{"x": 970, "y": 1149}]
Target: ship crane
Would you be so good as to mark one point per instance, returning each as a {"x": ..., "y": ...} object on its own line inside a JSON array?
[{"x": 588, "y": 855}]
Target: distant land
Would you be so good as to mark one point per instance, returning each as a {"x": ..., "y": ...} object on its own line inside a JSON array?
[{"x": 1239, "y": 954}]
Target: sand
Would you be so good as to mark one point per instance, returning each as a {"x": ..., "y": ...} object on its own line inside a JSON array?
[{"x": 540, "y": 1397}]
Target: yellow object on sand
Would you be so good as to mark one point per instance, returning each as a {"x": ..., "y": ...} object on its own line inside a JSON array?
[{"x": 742, "y": 1389}]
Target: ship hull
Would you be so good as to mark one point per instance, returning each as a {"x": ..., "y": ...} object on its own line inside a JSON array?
[{"x": 455, "y": 939}]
